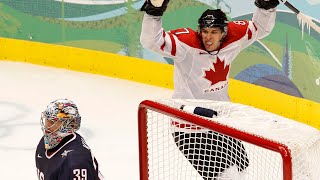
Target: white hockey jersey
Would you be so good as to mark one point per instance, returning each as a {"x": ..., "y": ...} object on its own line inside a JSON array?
[{"x": 197, "y": 73}]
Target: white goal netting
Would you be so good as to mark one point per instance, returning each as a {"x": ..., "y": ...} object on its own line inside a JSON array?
[{"x": 179, "y": 150}]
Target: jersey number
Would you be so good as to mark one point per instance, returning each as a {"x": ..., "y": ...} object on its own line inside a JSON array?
[
  {"x": 242, "y": 23},
  {"x": 80, "y": 174},
  {"x": 182, "y": 31}
]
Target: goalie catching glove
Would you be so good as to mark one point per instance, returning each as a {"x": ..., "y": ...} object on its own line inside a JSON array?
[
  {"x": 266, "y": 4},
  {"x": 155, "y": 7}
]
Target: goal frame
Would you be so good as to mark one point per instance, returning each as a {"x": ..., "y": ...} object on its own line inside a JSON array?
[{"x": 146, "y": 105}]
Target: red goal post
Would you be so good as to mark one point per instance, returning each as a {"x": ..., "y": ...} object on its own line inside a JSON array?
[{"x": 156, "y": 134}]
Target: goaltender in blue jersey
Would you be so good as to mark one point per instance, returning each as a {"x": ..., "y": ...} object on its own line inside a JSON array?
[{"x": 62, "y": 154}]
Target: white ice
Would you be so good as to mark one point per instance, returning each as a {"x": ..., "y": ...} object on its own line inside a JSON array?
[{"x": 108, "y": 107}]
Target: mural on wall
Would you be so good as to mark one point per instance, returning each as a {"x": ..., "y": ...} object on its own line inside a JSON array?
[{"x": 288, "y": 60}]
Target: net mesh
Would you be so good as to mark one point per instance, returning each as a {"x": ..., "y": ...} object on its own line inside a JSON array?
[{"x": 191, "y": 152}]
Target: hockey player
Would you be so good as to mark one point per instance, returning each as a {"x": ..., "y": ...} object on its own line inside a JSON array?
[
  {"x": 202, "y": 61},
  {"x": 202, "y": 58},
  {"x": 62, "y": 154}
]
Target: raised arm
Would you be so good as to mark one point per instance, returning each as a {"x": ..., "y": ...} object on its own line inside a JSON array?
[
  {"x": 264, "y": 17},
  {"x": 154, "y": 37},
  {"x": 261, "y": 25}
]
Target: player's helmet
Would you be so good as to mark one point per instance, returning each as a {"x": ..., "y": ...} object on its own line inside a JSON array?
[
  {"x": 214, "y": 18},
  {"x": 64, "y": 111}
]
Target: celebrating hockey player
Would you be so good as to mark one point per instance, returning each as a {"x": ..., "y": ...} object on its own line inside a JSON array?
[
  {"x": 202, "y": 58},
  {"x": 62, "y": 154},
  {"x": 202, "y": 61}
]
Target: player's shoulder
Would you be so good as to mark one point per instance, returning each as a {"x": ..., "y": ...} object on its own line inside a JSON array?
[
  {"x": 40, "y": 146},
  {"x": 41, "y": 141},
  {"x": 187, "y": 36},
  {"x": 80, "y": 144},
  {"x": 239, "y": 26},
  {"x": 75, "y": 157},
  {"x": 77, "y": 151},
  {"x": 236, "y": 31}
]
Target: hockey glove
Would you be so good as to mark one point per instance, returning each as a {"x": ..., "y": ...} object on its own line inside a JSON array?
[
  {"x": 155, "y": 7},
  {"x": 266, "y": 4}
]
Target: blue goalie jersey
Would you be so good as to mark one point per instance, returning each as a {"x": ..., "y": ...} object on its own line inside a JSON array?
[{"x": 72, "y": 161}]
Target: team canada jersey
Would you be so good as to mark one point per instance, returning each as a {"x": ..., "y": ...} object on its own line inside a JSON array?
[
  {"x": 72, "y": 161},
  {"x": 199, "y": 74}
]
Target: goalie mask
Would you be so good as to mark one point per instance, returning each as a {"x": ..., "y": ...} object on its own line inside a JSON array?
[
  {"x": 60, "y": 119},
  {"x": 214, "y": 18}
]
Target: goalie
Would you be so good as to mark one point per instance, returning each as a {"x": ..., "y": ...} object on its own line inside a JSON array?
[
  {"x": 202, "y": 61},
  {"x": 62, "y": 154}
]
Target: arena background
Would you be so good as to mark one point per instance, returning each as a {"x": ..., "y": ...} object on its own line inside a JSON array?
[{"x": 280, "y": 73}]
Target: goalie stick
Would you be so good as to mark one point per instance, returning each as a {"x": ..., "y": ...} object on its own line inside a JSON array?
[{"x": 301, "y": 15}]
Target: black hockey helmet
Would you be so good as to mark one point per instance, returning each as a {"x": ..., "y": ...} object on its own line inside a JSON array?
[{"x": 214, "y": 18}]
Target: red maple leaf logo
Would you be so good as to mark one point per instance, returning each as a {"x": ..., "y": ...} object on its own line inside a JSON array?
[{"x": 220, "y": 73}]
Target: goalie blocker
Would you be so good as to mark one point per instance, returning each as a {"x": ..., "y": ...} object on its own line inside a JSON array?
[{"x": 209, "y": 152}]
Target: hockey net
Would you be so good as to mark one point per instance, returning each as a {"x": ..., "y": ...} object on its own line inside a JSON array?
[{"x": 241, "y": 142}]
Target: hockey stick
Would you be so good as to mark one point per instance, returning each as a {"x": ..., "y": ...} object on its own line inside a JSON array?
[{"x": 301, "y": 15}]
